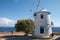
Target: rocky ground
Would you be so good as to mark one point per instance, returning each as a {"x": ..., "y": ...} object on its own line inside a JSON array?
[
  {"x": 14, "y": 37},
  {"x": 18, "y": 36}
]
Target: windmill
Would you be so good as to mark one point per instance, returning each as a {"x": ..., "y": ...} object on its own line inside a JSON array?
[{"x": 34, "y": 7}]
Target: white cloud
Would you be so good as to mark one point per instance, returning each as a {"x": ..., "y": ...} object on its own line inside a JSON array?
[{"x": 5, "y": 22}]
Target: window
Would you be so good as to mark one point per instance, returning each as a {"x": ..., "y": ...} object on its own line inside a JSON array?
[
  {"x": 35, "y": 14},
  {"x": 41, "y": 29},
  {"x": 41, "y": 16}
]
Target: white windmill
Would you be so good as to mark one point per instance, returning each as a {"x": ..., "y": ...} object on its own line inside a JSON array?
[{"x": 43, "y": 26}]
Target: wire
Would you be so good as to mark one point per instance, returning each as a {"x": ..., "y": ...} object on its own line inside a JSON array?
[{"x": 38, "y": 4}]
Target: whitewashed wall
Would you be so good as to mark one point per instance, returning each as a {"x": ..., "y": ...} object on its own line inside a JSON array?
[{"x": 46, "y": 22}]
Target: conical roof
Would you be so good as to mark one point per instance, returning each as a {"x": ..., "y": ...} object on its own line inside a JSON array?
[{"x": 44, "y": 9}]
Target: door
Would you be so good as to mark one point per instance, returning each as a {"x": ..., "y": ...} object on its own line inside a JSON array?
[{"x": 41, "y": 29}]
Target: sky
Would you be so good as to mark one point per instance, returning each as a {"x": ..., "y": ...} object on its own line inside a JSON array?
[{"x": 13, "y": 10}]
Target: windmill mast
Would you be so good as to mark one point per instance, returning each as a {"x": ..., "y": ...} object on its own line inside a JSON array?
[
  {"x": 35, "y": 6},
  {"x": 38, "y": 4}
]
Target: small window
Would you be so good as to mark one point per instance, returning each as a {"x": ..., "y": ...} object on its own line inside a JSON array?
[
  {"x": 41, "y": 16},
  {"x": 35, "y": 14},
  {"x": 41, "y": 29}
]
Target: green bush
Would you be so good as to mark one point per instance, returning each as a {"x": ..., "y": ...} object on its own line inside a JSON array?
[{"x": 26, "y": 26}]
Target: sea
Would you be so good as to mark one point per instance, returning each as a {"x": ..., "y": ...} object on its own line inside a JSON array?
[{"x": 10, "y": 29}]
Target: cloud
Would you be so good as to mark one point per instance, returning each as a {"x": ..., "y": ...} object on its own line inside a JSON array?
[{"x": 5, "y": 22}]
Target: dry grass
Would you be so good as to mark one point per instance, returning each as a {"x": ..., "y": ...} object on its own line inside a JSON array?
[{"x": 10, "y": 33}]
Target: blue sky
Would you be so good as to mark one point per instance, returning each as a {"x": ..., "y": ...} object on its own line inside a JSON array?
[{"x": 20, "y": 9}]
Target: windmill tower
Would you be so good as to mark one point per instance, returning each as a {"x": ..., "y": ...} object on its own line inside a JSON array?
[{"x": 43, "y": 26}]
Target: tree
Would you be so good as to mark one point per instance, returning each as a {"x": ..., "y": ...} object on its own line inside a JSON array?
[{"x": 26, "y": 26}]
